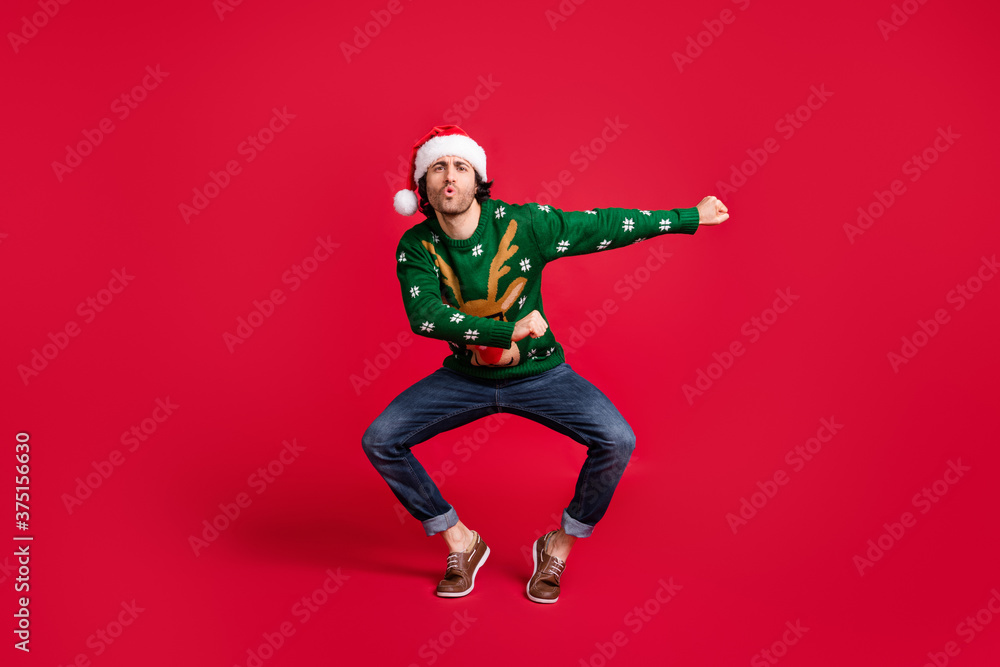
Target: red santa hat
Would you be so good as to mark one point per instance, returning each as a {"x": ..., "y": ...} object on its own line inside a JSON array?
[{"x": 442, "y": 140}]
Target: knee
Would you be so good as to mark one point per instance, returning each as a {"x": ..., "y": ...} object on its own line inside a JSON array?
[
  {"x": 620, "y": 438},
  {"x": 371, "y": 440},
  {"x": 626, "y": 441}
]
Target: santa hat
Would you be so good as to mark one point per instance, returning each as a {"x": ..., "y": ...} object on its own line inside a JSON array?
[{"x": 442, "y": 140}]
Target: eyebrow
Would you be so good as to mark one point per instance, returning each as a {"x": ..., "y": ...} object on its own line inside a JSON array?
[{"x": 457, "y": 161}]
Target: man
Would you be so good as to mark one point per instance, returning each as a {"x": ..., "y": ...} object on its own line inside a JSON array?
[{"x": 470, "y": 274}]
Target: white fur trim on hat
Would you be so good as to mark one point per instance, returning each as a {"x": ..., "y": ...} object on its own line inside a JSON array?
[
  {"x": 451, "y": 144},
  {"x": 405, "y": 202}
]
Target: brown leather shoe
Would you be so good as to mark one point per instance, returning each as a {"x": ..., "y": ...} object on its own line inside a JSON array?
[
  {"x": 544, "y": 583},
  {"x": 460, "y": 577}
]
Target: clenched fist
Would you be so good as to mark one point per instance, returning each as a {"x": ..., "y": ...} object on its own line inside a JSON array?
[
  {"x": 531, "y": 324},
  {"x": 711, "y": 211}
]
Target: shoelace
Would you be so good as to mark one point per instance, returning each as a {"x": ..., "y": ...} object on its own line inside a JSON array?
[
  {"x": 453, "y": 561},
  {"x": 555, "y": 566}
]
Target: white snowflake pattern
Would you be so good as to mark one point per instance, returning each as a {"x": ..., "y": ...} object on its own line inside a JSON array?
[
  {"x": 563, "y": 245},
  {"x": 478, "y": 250},
  {"x": 414, "y": 291},
  {"x": 520, "y": 302},
  {"x": 604, "y": 244},
  {"x": 591, "y": 212},
  {"x": 402, "y": 257},
  {"x": 543, "y": 208},
  {"x": 437, "y": 271},
  {"x": 638, "y": 240},
  {"x": 471, "y": 334},
  {"x": 499, "y": 212},
  {"x": 457, "y": 317},
  {"x": 664, "y": 225},
  {"x": 537, "y": 355},
  {"x": 435, "y": 237},
  {"x": 427, "y": 326},
  {"x": 646, "y": 212},
  {"x": 525, "y": 265},
  {"x": 628, "y": 224}
]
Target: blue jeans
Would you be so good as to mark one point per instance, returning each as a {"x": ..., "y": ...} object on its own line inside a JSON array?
[{"x": 558, "y": 398}]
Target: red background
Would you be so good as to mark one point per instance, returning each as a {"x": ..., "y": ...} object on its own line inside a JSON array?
[{"x": 325, "y": 175}]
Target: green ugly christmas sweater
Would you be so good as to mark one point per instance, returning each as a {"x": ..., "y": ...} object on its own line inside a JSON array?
[{"x": 470, "y": 292}]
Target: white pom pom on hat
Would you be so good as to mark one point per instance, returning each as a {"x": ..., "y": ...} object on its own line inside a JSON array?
[
  {"x": 405, "y": 202},
  {"x": 442, "y": 140}
]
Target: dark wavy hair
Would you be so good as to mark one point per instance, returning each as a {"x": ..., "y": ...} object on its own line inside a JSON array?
[{"x": 482, "y": 193}]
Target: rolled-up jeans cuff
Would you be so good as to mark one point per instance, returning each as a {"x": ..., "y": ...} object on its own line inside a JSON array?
[
  {"x": 441, "y": 522},
  {"x": 573, "y": 527}
]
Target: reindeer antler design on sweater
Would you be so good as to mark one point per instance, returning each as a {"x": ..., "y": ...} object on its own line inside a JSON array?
[{"x": 490, "y": 306}]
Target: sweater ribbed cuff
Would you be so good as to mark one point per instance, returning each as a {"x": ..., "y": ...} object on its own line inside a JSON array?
[
  {"x": 500, "y": 335},
  {"x": 688, "y": 223}
]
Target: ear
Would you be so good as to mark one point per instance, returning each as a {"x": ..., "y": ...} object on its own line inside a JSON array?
[{"x": 513, "y": 291}]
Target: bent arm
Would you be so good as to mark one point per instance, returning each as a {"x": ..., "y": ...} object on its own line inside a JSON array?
[{"x": 427, "y": 312}]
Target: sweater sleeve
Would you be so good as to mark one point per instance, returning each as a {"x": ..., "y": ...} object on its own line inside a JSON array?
[
  {"x": 427, "y": 312},
  {"x": 567, "y": 233}
]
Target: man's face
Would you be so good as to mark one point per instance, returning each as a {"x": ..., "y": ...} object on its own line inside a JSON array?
[{"x": 451, "y": 185}]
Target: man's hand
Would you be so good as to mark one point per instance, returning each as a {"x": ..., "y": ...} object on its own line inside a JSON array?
[
  {"x": 711, "y": 211},
  {"x": 532, "y": 324}
]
